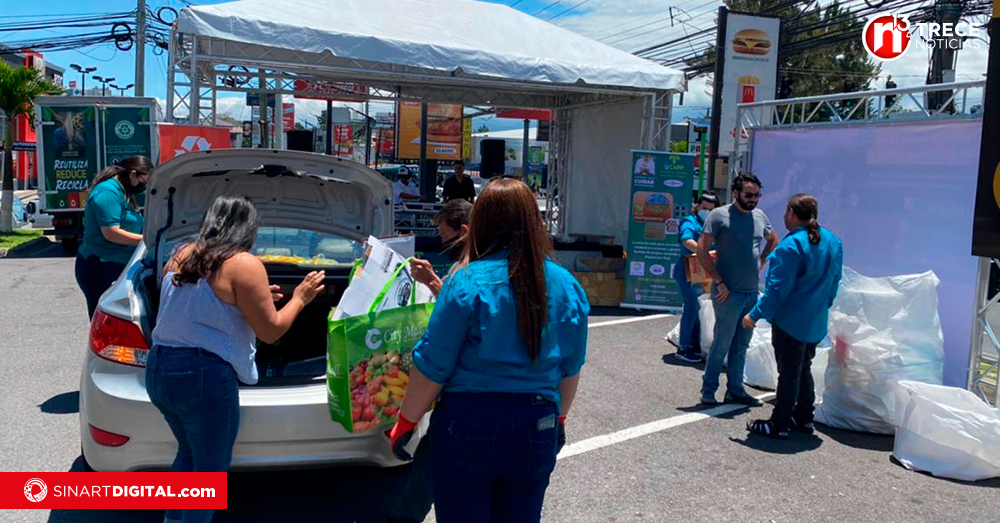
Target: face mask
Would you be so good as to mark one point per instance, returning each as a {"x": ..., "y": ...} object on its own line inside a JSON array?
[
  {"x": 703, "y": 214},
  {"x": 137, "y": 189}
]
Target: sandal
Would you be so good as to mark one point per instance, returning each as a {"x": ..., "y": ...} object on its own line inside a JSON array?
[{"x": 764, "y": 427}]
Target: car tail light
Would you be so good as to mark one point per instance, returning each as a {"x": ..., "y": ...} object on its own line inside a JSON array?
[
  {"x": 107, "y": 439},
  {"x": 118, "y": 340}
]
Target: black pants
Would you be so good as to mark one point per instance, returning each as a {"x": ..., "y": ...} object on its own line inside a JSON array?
[
  {"x": 796, "y": 391},
  {"x": 94, "y": 277}
]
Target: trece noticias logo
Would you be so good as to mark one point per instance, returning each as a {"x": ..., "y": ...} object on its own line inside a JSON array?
[{"x": 887, "y": 36}]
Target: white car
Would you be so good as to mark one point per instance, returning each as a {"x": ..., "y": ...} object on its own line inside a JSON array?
[{"x": 313, "y": 207}]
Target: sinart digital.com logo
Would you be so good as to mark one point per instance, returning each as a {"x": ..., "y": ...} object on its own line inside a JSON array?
[{"x": 29, "y": 490}]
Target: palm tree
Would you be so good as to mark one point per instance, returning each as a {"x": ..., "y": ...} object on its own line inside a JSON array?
[{"x": 19, "y": 86}]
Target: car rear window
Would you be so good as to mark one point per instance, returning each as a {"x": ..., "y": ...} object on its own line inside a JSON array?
[{"x": 304, "y": 247}]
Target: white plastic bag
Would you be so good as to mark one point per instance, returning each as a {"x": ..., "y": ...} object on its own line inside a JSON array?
[
  {"x": 946, "y": 431},
  {"x": 380, "y": 265},
  {"x": 883, "y": 330},
  {"x": 761, "y": 368},
  {"x": 674, "y": 336},
  {"x": 818, "y": 369},
  {"x": 706, "y": 316}
]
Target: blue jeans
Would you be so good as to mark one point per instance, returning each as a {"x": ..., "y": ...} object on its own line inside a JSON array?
[
  {"x": 690, "y": 324},
  {"x": 730, "y": 338},
  {"x": 493, "y": 454},
  {"x": 197, "y": 393}
]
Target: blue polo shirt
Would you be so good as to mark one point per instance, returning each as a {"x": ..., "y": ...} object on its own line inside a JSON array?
[
  {"x": 802, "y": 282},
  {"x": 106, "y": 207},
  {"x": 472, "y": 343}
]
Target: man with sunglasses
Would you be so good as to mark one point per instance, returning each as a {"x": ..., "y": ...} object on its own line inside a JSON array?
[{"x": 739, "y": 232}]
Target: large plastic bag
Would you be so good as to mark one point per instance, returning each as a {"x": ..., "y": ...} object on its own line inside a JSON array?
[
  {"x": 674, "y": 336},
  {"x": 946, "y": 431},
  {"x": 883, "y": 330},
  {"x": 706, "y": 317},
  {"x": 382, "y": 275},
  {"x": 761, "y": 369}
]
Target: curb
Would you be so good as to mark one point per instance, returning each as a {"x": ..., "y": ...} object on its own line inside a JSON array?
[{"x": 6, "y": 252}]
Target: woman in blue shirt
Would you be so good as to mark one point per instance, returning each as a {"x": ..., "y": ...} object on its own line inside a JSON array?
[
  {"x": 690, "y": 232},
  {"x": 803, "y": 277},
  {"x": 112, "y": 226},
  {"x": 502, "y": 354}
]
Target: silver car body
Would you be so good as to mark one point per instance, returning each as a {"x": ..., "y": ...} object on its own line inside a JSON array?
[{"x": 280, "y": 426}]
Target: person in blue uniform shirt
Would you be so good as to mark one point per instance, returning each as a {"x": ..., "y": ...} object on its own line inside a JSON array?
[
  {"x": 690, "y": 232},
  {"x": 802, "y": 281},
  {"x": 502, "y": 354}
]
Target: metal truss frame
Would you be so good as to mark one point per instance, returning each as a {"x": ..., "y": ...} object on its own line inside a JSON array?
[
  {"x": 869, "y": 107},
  {"x": 201, "y": 67}
]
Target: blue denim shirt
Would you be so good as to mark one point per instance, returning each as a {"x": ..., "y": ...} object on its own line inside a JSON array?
[
  {"x": 472, "y": 343},
  {"x": 802, "y": 282}
]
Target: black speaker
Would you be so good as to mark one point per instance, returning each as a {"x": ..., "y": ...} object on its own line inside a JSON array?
[
  {"x": 493, "y": 152},
  {"x": 300, "y": 141}
]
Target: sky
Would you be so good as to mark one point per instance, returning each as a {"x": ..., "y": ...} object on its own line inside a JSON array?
[{"x": 625, "y": 24}]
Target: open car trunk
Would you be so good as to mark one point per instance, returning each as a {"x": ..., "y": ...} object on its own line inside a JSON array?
[{"x": 299, "y": 356}]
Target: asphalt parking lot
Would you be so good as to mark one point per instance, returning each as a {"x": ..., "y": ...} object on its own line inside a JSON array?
[{"x": 689, "y": 466}]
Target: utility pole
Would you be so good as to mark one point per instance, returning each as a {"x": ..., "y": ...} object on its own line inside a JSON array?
[
  {"x": 945, "y": 54},
  {"x": 140, "y": 51}
]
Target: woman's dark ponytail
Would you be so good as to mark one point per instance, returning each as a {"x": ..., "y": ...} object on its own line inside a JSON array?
[
  {"x": 806, "y": 208},
  {"x": 813, "y": 227}
]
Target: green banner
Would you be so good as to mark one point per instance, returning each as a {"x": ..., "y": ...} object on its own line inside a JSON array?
[
  {"x": 69, "y": 137},
  {"x": 126, "y": 133},
  {"x": 661, "y": 198}
]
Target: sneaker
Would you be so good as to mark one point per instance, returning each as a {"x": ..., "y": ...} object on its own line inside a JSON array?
[
  {"x": 766, "y": 428},
  {"x": 805, "y": 428},
  {"x": 709, "y": 399},
  {"x": 688, "y": 356},
  {"x": 744, "y": 399}
]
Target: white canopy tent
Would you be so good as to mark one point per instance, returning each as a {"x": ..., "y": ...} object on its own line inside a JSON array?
[{"x": 456, "y": 51}]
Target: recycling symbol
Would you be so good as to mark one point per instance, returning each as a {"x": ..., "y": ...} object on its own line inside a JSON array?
[{"x": 192, "y": 144}]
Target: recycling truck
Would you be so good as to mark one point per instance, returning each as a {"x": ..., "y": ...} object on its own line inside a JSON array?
[{"x": 78, "y": 136}]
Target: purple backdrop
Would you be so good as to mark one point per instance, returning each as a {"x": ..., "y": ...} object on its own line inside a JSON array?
[{"x": 901, "y": 198}]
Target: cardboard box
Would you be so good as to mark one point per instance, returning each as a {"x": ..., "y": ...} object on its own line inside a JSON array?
[
  {"x": 604, "y": 289},
  {"x": 695, "y": 272}
]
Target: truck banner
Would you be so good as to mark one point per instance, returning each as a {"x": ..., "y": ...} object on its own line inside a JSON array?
[
  {"x": 70, "y": 156},
  {"x": 661, "y": 198},
  {"x": 127, "y": 133}
]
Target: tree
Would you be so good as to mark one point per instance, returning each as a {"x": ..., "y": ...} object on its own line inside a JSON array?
[
  {"x": 813, "y": 59},
  {"x": 19, "y": 86}
]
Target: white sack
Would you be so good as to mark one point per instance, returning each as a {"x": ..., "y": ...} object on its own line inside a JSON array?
[
  {"x": 883, "y": 330},
  {"x": 946, "y": 431}
]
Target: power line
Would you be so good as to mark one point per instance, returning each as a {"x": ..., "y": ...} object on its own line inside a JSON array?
[
  {"x": 566, "y": 11},
  {"x": 536, "y": 13}
]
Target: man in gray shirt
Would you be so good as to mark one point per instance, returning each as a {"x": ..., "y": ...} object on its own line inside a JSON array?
[{"x": 738, "y": 231}]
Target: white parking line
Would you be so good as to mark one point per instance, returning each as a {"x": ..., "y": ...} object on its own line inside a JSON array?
[
  {"x": 598, "y": 442},
  {"x": 629, "y": 320}
]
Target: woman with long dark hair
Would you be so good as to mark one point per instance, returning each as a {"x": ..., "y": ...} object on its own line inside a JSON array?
[
  {"x": 112, "y": 226},
  {"x": 502, "y": 354},
  {"x": 215, "y": 302},
  {"x": 802, "y": 281}
]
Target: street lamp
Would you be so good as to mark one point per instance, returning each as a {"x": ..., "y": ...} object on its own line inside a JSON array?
[
  {"x": 104, "y": 83},
  {"x": 122, "y": 89},
  {"x": 84, "y": 71}
]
